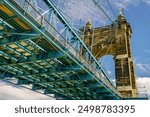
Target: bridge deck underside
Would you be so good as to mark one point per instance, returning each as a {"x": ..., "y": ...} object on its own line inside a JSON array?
[{"x": 30, "y": 57}]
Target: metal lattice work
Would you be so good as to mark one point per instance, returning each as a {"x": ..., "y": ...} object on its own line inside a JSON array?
[{"x": 45, "y": 52}]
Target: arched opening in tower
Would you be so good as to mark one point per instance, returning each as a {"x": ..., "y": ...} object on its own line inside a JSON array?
[{"x": 108, "y": 64}]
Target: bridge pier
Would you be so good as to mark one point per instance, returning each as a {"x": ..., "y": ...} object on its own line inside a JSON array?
[{"x": 115, "y": 40}]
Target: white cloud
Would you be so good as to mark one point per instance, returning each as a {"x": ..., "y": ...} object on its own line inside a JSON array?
[
  {"x": 109, "y": 72},
  {"x": 13, "y": 92},
  {"x": 125, "y": 3},
  {"x": 143, "y": 67},
  {"x": 143, "y": 84},
  {"x": 9, "y": 91},
  {"x": 76, "y": 10},
  {"x": 79, "y": 11},
  {"x": 147, "y": 1}
]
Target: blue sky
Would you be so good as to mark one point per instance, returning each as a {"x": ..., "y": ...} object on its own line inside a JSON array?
[
  {"x": 79, "y": 11},
  {"x": 139, "y": 18},
  {"x": 137, "y": 14}
]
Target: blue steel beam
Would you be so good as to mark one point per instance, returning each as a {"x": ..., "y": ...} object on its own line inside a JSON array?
[
  {"x": 101, "y": 90},
  {"x": 71, "y": 84},
  {"x": 4, "y": 25},
  {"x": 12, "y": 23},
  {"x": 58, "y": 83},
  {"x": 8, "y": 55},
  {"x": 60, "y": 16},
  {"x": 20, "y": 56},
  {"x": 10, "y": 82},
  {"x": 84, "y": 94},
  {"x": 11, "y": 49},
  {"x": 45, "y": 71},
  {"x": 24, "y": 48},
  {"x": 50, "y": 88},
  {"x": 37, "y": 57},
  {"x": 35, "y": 26},
  {"x": 34, "y": 44},
  {"x": 73, "y": 95},
  {"x": 3, "y": 60},
  {"x": 19, "y": 38},
  {"x": 10, "y": 18},
  {"x": 106, "y": 95},
  {"x": 62, "y": 85},
  {"x": 4, "y": 71},
  {"x": 53, "y": 91},
  {"x": 11, "y": 6}
]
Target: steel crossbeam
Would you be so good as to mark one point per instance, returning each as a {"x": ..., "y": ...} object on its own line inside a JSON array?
[{"x": 65, "y": 72}]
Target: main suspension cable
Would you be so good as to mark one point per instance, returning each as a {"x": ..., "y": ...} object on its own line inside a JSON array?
[
  {"x": 111, "y": 8},
  {"x": 96, "y": 4}
]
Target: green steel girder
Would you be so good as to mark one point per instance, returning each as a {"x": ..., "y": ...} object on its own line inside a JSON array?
[
  {"x": 60, "y": 16},
  {"x": 78, "y": 77},
  {"x": 101, "y": 90},
  {"x": 34, "y": 25},
  {"x": 79, "y": 94},
  {"x": 41, "y": 71},
  {"x": 11, "y": 18},
  {"x": 61, "y": 97},
  {"x": 23, "y": 82},
  {"x": 22, "y": 69},
  {"x": 84, "y": 94},
  {"x": 24, "y": 48},
  {"x": 106, "y": 95},
  {"x": 73, "y": 77},
  {"x": 32, "y": 79},
  {"x": 11, "y": 22},
  {"x": 34, "y": 87},
  {"x": 37, "y": 65},
  {"x": 19, "y": 38},
  {"x": 10, "y": 68},
  {"x": 27, "y": 65},
  {"x": 34, "y": 44},
  {"x": 93, "y": 95},
  {"x": 3, "y": 60},
  {"x": 8, "y": 56},
  {"x": 4, "y": 25},
  {"x": 16, "y": 53},
  {"x": 71, "y": 85},
  {"x": 11, "y": 49},
  {"x": 37, "y": 57},
  {"x": 75, "y": 90},
  {"x": 17, "y": 71},
  {"x": 72, "y": 89},
  {"x": 70, "y": 95},
  {"x": 12, "y": 55},
  {"x": 5, "y": 71},
  {"x": 51, "y": 90}
]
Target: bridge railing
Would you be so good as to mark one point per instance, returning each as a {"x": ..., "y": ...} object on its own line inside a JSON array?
[{"x": 31, "y": 11}]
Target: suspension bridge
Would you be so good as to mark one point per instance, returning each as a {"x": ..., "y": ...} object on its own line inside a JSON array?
[{"x": 60, "y": 60}]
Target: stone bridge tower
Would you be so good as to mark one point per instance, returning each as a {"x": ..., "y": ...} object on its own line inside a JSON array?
[{"x": 112, "y": 40}]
